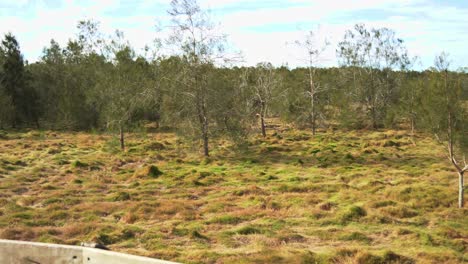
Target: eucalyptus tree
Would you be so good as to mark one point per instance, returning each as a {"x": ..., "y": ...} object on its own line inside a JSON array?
[
  {"x": 201, "y": 48},
  {"x": 446, "y": 115},
  {"x": 410, "y": 102},
  {"x": 265, "y": 84},
  {"x": 121, "y": 86},
  {"x": 372, "y": 56},
  {"x": 234, "y": 100},
  {"x": 314, "y": 52}
]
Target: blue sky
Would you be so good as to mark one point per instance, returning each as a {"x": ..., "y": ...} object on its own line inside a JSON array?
[{"x": 261, "y": 29}]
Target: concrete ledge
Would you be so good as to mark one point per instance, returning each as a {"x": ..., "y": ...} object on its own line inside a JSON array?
[{"x": 20, "y": 252}]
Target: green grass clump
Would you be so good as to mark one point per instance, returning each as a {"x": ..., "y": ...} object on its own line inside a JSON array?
[
  {"x": 249, "y": 230},
  {"x": 226, "y": 220},
  {"x": 352, "y": 213},
  {"x": 78, "y": 164},
  {"x": 121, "y": 196},
  {"x": 356, "y": 236}
]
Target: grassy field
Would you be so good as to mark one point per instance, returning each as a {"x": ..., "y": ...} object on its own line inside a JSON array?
[{"x": 343, "y": 197}]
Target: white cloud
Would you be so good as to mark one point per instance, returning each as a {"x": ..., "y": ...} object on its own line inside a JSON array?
[{"x": 260, "y": 32}]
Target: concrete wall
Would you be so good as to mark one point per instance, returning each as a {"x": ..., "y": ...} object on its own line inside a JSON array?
[{"x": 19, "y": 252}]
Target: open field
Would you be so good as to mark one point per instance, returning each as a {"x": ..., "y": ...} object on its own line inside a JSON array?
[{"x": 343, "y": 197}]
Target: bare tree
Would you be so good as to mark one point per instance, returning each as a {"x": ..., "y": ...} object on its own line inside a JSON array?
[
  {"x": 264, "y": 82},
  {"x": 314, "y": 52},
  {"x": 201, "y": 47}
]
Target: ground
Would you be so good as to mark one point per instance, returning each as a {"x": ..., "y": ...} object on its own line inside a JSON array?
[{"x": 338, "y": 197}]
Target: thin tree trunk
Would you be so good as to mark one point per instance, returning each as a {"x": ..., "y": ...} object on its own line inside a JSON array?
[
  {"x": 203, "y": 119},
  {"x": 412, "y": 128},
  {"x": 374, "y": 118},
  {"x": 312, "y": 97},
  {"x": 313, "y": 117},
  {"x": 206, "y": 150},
  {"x": 412, "y": 131},
  {"x": 262, "y": 119},
  {"x": 412, "y": 115},
  {"x": 122, "y": 140},
  {"x": 461, "y": 201}
]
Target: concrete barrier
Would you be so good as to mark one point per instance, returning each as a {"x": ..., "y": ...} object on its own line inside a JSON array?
[{"x": 20, "y": 252}]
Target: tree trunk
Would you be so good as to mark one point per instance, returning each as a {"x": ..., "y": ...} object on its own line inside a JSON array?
[
  {"x": 313, "y": 120},
  {"x": 461, "y": 201},
  {"x": 374, "y": 118},
  {"x": 412, "y": 127},
  {"x": 262, "y": 119},
  {"x": 203, "y": 119},
  {"x": 206, "y": 150},
  {"x": 122, "y": 140},
  {"x": 412, "y": 130},
  {"x": 312, "y": 100}
]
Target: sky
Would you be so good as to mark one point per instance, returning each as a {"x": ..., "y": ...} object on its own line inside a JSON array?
[{"x": 263, "y": 30}]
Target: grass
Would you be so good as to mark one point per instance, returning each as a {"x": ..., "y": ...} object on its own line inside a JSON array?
[{"x": 341, "y": 197}]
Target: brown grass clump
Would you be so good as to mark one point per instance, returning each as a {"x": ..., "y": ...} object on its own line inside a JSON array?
[{"x": 148, "y": 171}]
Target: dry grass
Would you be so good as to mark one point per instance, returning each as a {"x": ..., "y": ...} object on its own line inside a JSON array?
[{"x": 354, "y": 197}]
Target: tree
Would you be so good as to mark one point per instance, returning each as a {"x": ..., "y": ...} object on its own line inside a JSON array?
[
  {"x": 231, "y": 101},
  {"x": 6, "y": 109},
  {"x": 447, "y": 117},
  {"x": 264, "y": 82},
  {"x": 314, "y": 52},
  {"x": 201, "y": 48},
  {"x": 410, "y": 99},
  {"x": 121, "y": 87},
  {"x": 64, "y": 79},
  {"x": 14, "y": 83},
  {"x": 372, "y": 56}
]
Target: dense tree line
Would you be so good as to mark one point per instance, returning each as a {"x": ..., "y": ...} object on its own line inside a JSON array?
[{"x": 99, "y": 82}]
